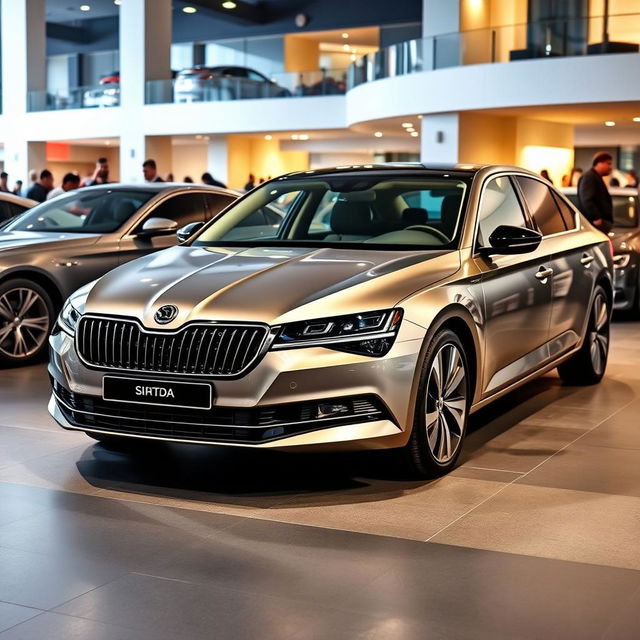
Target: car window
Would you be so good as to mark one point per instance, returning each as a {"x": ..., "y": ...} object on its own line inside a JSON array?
[
  {"x": 498, "y": 205},
  {"x": 9, "y": 210},
  {"x": 90, "y": 210},
  {"x": 567, "y": 213},
  {"x": 184, "y": 208},
  {"x": 256, "y": 77},
  {"x": 542, "y": 206},
  {"x": 625, "y": 211},
  {"x": 216, "y": 202}
]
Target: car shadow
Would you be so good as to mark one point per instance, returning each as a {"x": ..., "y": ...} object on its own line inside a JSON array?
[{"x": 265, "y": 478}]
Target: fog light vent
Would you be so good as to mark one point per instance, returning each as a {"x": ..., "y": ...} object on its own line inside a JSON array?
[{"x": 327, "y": 410}]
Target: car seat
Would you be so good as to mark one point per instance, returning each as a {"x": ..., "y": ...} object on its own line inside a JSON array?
[{"x": 349, "y": 218}]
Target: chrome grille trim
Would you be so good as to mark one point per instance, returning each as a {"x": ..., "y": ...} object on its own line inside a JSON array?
[{"x": 177, "y": 352}]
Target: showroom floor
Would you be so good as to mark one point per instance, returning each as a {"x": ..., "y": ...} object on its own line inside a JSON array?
[{"x": 535, "y": 535}]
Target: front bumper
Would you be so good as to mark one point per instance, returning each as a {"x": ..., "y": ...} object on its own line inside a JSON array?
[{"x": 274, "y": 406}]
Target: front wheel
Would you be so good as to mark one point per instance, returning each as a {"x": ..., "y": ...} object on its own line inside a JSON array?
[
  {"x": 442, "y": 408},
  {"x": 26, "y": 317},
  {"x": 588, "y": 365}
]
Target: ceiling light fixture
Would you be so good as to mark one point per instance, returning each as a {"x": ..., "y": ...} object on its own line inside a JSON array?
[
  {"x": 414, "y": 134},
  {"x": 636, "y": 119},
  {"x": 407, "y": 125},
  {"x": 189, "y": 10},
  {"x": 345, "y": 35},
  {"x": 228, "y": 4},
  {"x": 303, "y": 136},
  {"x": 609, "y": 123},
  {"x": 85, "y": 7},
  {"x": 378, "y": 134},
  {"x": 346, "y": 47},
  {"x": 117, "y": 2},
  {"x": 295, "y": 136},
  {"x": 353, "y": 57},
  {"x": 268, "y": 137}
]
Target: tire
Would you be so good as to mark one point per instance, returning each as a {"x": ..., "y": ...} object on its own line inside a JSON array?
[
  {"x": 588, "y": 365},
  {"x": 442, "y": 408},
  {"x": 26, "y": 317}
]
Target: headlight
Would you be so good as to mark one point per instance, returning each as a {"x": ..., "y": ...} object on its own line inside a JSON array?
[
  {"x": 368, "y": 334},
  {"x": 621, "y": 260},
  {"x": 74, "y": 308},
  {"x": 69, "y": 317}
]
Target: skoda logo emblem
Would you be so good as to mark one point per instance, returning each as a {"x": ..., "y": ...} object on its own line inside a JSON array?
[{"x": 165, "y": 314}]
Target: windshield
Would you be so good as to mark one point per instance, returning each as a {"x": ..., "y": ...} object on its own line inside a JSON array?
[
  {"x": 377, "y": 211},
  {"x": 625, "y": 211},
  {"x": 85, "y": 211}
]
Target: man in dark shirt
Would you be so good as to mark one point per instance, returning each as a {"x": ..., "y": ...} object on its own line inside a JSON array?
[
  {"x": 594, "y": 200},
  {"x": 41, "y": 188},
  {"x": 150, "y": 171}
]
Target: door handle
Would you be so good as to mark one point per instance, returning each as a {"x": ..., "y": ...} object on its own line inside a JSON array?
[
  {"x": 586, "y": 260},
  {"x": 542, "y": 274}
]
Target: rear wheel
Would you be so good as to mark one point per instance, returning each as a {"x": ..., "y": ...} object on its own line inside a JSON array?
[
  {"x": 442, "y": 408},
  {"x": 588, "y": 365},
  {"x": 26, "y": 318}
]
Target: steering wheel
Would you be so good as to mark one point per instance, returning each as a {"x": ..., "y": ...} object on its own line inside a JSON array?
[{"x": 427, "y": 229}]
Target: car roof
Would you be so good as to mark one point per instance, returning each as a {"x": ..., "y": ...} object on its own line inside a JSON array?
[
  {"x": 160, "y": 187},
  {"x": 14, "y": 199}
]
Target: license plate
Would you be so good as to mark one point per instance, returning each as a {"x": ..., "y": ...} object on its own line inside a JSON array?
[{"x": 186, "y": 395}]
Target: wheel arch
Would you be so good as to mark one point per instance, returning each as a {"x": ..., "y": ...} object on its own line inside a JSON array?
[{"x": 39, "y": 277}]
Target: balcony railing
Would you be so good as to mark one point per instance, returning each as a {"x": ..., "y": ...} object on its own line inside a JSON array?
[
  {"x": 180, "y": 90},
  {"x": 567, "y": 37}
]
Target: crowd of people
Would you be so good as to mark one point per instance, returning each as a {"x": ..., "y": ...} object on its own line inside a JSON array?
[
  {"x": 571, "y": 179},
  {"x": 41, "y": 185}
]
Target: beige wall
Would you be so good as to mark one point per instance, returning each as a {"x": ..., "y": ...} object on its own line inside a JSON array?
[
  {"x": 160, "y": 149},
  {"x": 81, "y": 159},
  {"x": 300, "y": 54},
  {"x": 625, "y": 28},
  {"x": 487, "y": 139},
  {"x": 188, "y": 160}
]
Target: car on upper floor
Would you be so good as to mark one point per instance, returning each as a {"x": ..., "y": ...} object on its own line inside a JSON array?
[
  {"x": 106, "y": 94},
  {"x": 12, "y": 205},
  {"x": 625, "y": 237},
  {"x": 386, "y": 304},
  {"x": 225, "y": 82},
  {"x": 52, "y": 249}
]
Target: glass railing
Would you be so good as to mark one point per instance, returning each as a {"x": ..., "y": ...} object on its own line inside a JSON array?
[
  {"x": 107, "y": 95},
  {"x": 569, "y": 37},
  {"x": 192, "y": 88}
]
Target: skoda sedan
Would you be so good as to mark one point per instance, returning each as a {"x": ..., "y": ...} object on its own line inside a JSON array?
[{"x": 387, "y": 304}]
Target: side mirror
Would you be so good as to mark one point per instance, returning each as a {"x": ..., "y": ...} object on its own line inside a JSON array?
[
  {"x": 184, "y": 233},
  {"x": 508, "y": 240},
  {"x": 158, "y": 227}
]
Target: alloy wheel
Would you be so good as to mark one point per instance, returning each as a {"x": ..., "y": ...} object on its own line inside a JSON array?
[
  {"x": 446, "y": 403},
  {"x": 24, "y": 322},
  {"x": 599, "y": 335}
]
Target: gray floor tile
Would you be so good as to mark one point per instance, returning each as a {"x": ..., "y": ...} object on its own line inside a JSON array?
[{"x": 13, "y": 614}]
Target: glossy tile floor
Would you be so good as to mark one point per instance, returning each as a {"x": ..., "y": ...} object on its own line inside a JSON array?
[{"x": 535, "y": 535}]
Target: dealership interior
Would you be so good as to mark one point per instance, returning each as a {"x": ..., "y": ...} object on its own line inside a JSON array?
[{"x": 381, "y": 446}]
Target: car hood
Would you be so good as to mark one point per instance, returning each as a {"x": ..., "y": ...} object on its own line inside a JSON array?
[
  {"x": 269, "y": 285},
  {"x": 18, "y": 241}
]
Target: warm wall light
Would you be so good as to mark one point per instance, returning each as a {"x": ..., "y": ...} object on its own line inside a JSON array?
[
  {"x": 557, "y": 160},
  {"x": 609, "y": 123},
  {"x": 268, "y": 137},
  {"x": 378, "y": 134},
  {"x": 228, "y": 4},
  {"x": 189, "y": 10}
]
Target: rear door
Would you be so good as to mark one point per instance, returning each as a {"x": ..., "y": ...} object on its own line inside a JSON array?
[
  {"x": 517, "y": 292},
  {"x": 572, "y": 263}
]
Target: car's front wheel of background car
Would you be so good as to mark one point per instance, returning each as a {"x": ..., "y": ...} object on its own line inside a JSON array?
[
  {"x": 26, "y": 317},
  {"x": 442, "y": 408},
  {"x": 587, "y": 366}
]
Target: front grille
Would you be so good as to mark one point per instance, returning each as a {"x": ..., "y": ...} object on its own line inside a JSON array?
[
  {"x": 213, "y": 350},
  {"x": 219, "y": 424}
]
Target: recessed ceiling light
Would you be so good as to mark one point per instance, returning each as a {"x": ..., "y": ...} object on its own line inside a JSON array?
[
  {"x": 346, "y": 47},
  {"x": 295, "y": 136},
  {"x": 406, "y": 125},
  {"x": 117, "y": 2},
  {"x": 303, "y": 136},
  {"x": 198, "y": 137},
  {"x": 636, "y": 119},
  {"x": 345, "y": 35},
  {"x": 352, "y": 57},
  {"x": 268, "y": 137},
  {"x": 378, "y": 134},
  {"x": 85, "y": 7},
  {"x": 609, "y": 123},
  {"x": 414, "y": 134},
  {"x": 206, "y": 138},
  {"x": 189, "y": 10},
  {"x": 108, "y": 143},
  {"x": 229, "y": 5},
  {"x": 420, "y": 117},
  {"x": 409, "y": 129}
]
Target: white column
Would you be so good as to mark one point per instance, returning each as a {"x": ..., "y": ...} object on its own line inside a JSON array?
[
  {"x": 23, "y": 69},
  {"x": 145, "y": 54},
  {"x": 439, "y": 141},
  {"x": 218, "y": 158}
]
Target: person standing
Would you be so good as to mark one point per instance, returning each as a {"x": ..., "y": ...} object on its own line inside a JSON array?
[
  {"x": 69, "y": 182},
  {"x": 150, "y": 171},
  {"x": 251, "y": 183},
  {"x": 100, "y": 173},
  {"x": 545, "y": 174},
  {"x": 207, "y": 178},
  {"x": 594, "y": 200},
  {"x": 17, "y": 189},
  {"x": 41, "y": 188},
  {"x": 632, "y": 179},
  {"x": 4, "y": 176}
]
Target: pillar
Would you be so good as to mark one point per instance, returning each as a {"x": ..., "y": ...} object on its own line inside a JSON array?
[
  {"x": 439, "y": 139},
  {"x": 218, "y": 158}
]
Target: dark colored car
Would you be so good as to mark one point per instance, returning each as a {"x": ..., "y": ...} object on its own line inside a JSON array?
[
  {"x": 57, "y": 246},
  {"x": 204, "y": 84},
  {"x": 625, "y": 237},
  {"x": 431, "y": 292}
]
